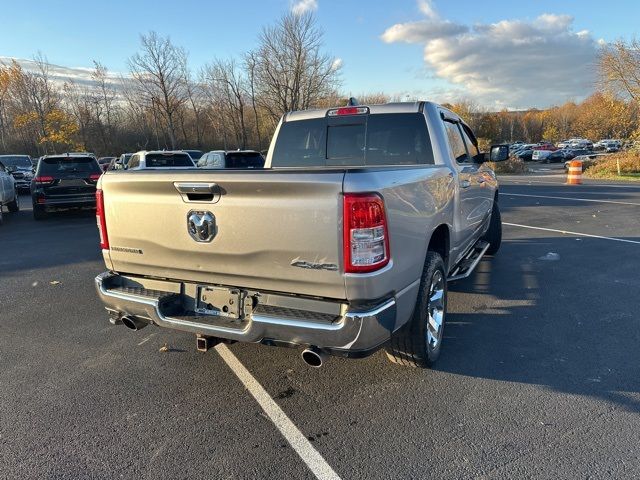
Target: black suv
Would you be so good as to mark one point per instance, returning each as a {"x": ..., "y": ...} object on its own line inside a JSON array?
[{"x": 64, "y": 181}]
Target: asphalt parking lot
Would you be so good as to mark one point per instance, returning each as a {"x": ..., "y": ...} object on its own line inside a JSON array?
[{"x": 539, "y": 374}]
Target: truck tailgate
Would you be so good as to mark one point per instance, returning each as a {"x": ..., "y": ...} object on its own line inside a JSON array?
[{"x": 275, "y": 230}]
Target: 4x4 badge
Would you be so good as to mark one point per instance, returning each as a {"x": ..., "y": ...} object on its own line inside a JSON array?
[{"x": 201, "y": 225}]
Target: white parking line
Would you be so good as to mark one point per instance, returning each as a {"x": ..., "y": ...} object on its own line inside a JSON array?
[
  {"x": 520, "y": 180},
  {"x": 572, "y": 233},
  {"x": 569, "y": 198},
  {"x": 309, "y": 455}
]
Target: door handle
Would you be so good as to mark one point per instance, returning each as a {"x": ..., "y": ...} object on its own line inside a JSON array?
[
  {"x": 465, "y": 184},
  {"x": 198, "y": 192},
  {"x": 195, "y": 187}
]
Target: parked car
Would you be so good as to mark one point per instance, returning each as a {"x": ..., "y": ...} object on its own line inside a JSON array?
[
  {"x": 143, "y": 160},
  {"x": 104, "y": 162},
  {"x": 64, "y": 182},
  {"x": 545, "y": 146},
  {"x": 194, "y": 154},
  {"x": 555, "y": 157},
  {"x": 580, "y": 143},
  {"x": 571, "y": 153},
  {"x": 525, "y": 154},
  {"x": 231, "y": 159},
  {"x": 8, "y": 193},
  {"x": 343, "y": 244},
  {"x": 540, "y": 155},
  {"x": 21, "y": 167}
]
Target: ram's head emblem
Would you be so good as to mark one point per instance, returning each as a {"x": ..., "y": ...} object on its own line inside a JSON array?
[{"x": 201, "y": 225}]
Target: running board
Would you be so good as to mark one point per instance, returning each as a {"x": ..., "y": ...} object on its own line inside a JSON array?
[{"x": 469, "y": 262}]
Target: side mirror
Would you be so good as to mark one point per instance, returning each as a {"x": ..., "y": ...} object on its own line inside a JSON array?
[{"x": 499, "y": 153}]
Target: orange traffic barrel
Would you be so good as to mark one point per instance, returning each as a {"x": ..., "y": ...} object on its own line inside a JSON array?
[{"x": 574, "y": 176}]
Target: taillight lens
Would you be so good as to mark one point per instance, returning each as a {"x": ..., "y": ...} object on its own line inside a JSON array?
[
  {"x": 44, "y": 179},
  {"x": 366, "y": 236},
  {"x": 102, "y": 224},
  {"x": 94, "y": 177}
]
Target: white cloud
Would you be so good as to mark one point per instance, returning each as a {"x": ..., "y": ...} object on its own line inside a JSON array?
[
  {"x": 337, "y": 63},
  {"x": 426, "y": 7},
  {"x": 303, "y": 6},
  {"x": 513, "y": 63},
  {"x": 60, "y": 75},
  {"x": 417, "y": 32}
]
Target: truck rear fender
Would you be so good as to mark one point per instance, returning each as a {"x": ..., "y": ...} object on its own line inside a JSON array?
[{"x": 440, "y": 243}]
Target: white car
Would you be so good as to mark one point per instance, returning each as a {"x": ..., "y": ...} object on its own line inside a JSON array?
[
  {"x": 540, "y": 154},
  {"x": 173, "y": 159},
  {"x": 8, "y": 192}
]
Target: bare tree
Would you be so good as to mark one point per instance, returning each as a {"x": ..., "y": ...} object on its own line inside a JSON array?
[
  {"x": 195, "y": 95},
  {"x": 80, "y": 103},
  {"x": 227, "y": 87},
  {"x": 291, "y": 71},
  {"x": 251, "y": 63},
  {"x": 619, "y": 68},
  {"x": 104, "y": 103},
  {"x": 160, "y": 70}
]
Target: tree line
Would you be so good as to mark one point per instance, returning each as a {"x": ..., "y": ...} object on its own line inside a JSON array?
[{"x": 237, "y": 102}]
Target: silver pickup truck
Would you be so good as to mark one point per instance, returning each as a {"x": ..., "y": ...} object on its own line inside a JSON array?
[{"x": 342, "y": 244}]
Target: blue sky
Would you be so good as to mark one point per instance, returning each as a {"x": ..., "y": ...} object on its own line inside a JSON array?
[{"x": 410, "y": 60}]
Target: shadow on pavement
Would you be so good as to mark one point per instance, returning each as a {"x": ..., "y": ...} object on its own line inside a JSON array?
[{"x": 567, "y": 324}]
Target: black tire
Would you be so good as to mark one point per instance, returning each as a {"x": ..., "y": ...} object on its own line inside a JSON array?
[
  {"x": 494, "y": 234},
  {"x": 411, "y": 346},
  {"x": 39, "y": 213},
  {"x": 14, "y": 206}
]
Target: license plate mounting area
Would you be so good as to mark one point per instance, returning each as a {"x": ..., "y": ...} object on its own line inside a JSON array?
[{"x": 220, "y": 302}]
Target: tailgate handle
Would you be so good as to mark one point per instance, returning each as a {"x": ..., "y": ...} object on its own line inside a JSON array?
[{"x": 198, "y": 192}]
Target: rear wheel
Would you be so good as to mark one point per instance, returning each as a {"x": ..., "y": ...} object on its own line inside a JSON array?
[
  {"x": 39, "y": 213},
  {"x": 15, "y": 205},
  {"x": 494, "y": 234},
  {"x": 417, "y": 344}
]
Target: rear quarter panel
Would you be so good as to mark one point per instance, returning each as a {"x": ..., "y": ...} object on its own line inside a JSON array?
[{"x": 417, "y": 200}]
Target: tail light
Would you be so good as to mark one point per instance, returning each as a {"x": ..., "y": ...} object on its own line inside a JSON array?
[
  {"x": 102, "y": 224},
  {"x": 366, "y": 235},
  {"x": 94, "y": 177},
  {"x": 44, "y": 179}
]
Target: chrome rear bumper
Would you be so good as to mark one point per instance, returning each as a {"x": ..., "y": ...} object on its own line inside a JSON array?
[{"x": 350, "y": 331}]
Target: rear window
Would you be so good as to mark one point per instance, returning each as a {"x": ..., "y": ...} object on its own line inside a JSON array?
[
  {"x": 195, "y": 154},
  {"x": 358, "y": 140},
  {"x": 16, "y": 161},
  {"x": 168, "y": 160},
  {"x": 244, "y": 160},
  {"x": 67, "y": 165}
]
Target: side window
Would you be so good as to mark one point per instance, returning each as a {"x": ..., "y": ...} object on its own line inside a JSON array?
[
  {"x": 456, "y": 143},
  {"x": 469, "y": 140},
  {"x": 217, "y": 159},
  {"x": 134, "y": 162}
]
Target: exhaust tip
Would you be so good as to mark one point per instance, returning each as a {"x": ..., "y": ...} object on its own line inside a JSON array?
[
  {"x": 313, "y": 357},
  {"x": 133, "y": 323}
]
